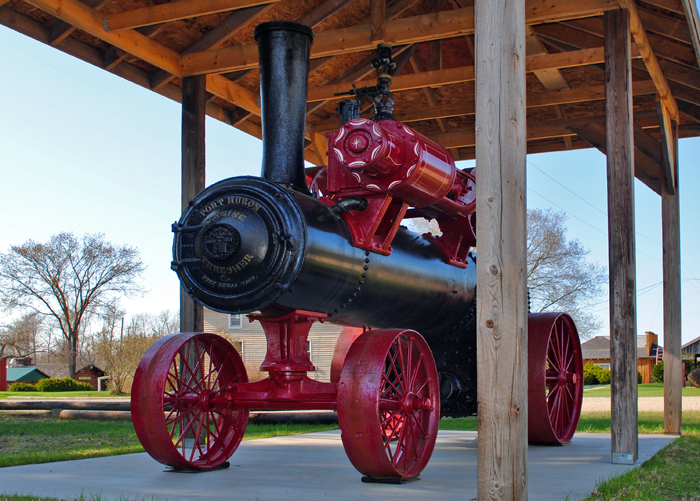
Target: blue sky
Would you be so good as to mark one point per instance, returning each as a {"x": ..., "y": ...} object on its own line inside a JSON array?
[{"x": 83, "y": 150}]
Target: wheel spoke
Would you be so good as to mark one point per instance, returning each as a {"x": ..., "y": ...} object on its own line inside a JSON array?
[
  {"x": 402, "y": 377},
  {"x": 385, "y": 379},
  {"x": 414, "y": 375},
  {"x": 422, "y": 430},
  {"x": 187, "y": 428},
  {"x": 425, "y": 383}
]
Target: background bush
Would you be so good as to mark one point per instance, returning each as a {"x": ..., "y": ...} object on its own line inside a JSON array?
[
  {"x": 22, "y": 387},
  {"x": 590, "y": 374},
  {"x": 603, "y": 375},
  {"x": 65, "y": 384},
  {"x": 639, "y": 377},
  {"x": 658, "y": 372}
]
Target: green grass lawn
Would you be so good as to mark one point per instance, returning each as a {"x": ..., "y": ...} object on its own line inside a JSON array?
[
  {"x": 671, "y": 475},
  {"x": 36, "y": 437},
  {"x": 58, "y": 394},
  {"x": 597, "y": 422},
  {"x": 643, "y": 390}
]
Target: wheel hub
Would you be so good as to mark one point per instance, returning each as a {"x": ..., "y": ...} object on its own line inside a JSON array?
[{"x": 411, "y": 403}]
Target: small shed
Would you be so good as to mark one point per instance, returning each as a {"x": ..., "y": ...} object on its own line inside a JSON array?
[
  {"x": 90, "y": 374},
  {"x": 25, "y": 375}
]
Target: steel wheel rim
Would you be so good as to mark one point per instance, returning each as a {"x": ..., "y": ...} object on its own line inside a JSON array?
[
  {"x": 177, "y": 393},
  {"x": 394, "y": 433},
  {"x": 563, "y": 379}
]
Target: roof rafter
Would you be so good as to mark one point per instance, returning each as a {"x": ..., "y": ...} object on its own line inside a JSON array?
[
  {"x": 465, "y": 73},
  {"x": 174, "y": 11},
  {"x": 218, "y": 35},
  {"x": 650, "y": 60},
  {"x": 403, "y": 31},
  {"x": 86, "y": 19},
  {"x": 553, "y": 98}
]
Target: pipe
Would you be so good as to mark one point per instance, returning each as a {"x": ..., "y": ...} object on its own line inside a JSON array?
[{"x": 284, "y": 49}]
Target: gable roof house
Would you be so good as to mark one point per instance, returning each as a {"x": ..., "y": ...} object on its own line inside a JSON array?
[
  {"x": 25, "y": 375},
  {"x": 596, "y": 351}
]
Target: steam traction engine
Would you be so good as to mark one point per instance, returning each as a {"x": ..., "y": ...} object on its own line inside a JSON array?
[{"x": 338, "y": 253}]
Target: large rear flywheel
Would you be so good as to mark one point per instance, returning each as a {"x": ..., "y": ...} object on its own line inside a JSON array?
[
  {"x": 555, "y": 381},
  {"x": 389, "y": 404},
  {"x": 176, "y": 400}
]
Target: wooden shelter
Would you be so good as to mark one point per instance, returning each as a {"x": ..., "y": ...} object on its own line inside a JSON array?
[
  {"x": 618, "y": 75},
  {"x": 90, "y": 374}
]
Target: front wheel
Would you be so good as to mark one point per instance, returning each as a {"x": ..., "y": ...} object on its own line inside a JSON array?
[
  {"x": 389, "y": 404},
  {"x": 173, "y": 397}
]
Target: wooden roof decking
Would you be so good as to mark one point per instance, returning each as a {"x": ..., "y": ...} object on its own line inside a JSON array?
[{"x": 155, "y": 44}]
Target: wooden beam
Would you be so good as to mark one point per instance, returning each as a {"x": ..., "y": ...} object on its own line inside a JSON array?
[
  {"x": 377, "y": 10},
  {"x": 232, "y": 92},
  {"x": 114, "y": 56},
  {"x": 667, "y": 26},
  {"x": 218, "y": 35},
  {"x": 670, "y": 5},
  {"x": 501, "y": 267},
  {"x": 691, "y": 13},
  {"x": 551, "y": 80},
  {"x": 429, "y": 93},
  {"x": 83, "y": 17},
  {"x": 91, "y": 55},
  {"x": 667, "y": 129},
  {"x": 650, "y": 60},
  {"x": 61, "y": 29},
  {"x": 174, "y": 11},
  {"x": 646, "y": 168},
  {"x": 673, "y": 366},
  {"x": 398, "y": 32},
  {"x": 594, "y": 93},
  {"x": 462, "y": 74},
  {"x": 621, "y": 237},
  {"x": 193, "y": 177}
]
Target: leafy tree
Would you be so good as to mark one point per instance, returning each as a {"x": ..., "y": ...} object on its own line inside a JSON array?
[
  {"x": 68, "y": 279},
  {"x": 558, "y": 276}
]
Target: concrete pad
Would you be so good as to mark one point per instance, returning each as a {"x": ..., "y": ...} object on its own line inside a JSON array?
[{"x": 314, "y": 466}]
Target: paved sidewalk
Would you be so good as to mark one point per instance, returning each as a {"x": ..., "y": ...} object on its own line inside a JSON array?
[{"x": 314, "y": 466}]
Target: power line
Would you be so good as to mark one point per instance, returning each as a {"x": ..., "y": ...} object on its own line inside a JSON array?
[
  {"x": 605, "y": 213},
  {"x": 567, "y": 189}
]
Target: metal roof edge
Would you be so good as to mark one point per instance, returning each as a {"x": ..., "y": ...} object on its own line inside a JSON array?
[
  {"x": 691, "y": 14},
  {"x": 690, "y": 342}
]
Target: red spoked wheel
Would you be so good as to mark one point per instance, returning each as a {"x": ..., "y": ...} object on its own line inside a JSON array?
[
  {"x": 389, "y": 404},
  {"x": 178, "y": 401},
  {"x": 555, "y": 382}
]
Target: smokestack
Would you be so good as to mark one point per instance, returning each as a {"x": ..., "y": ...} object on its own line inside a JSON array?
[{"x": 284, "y": 49}]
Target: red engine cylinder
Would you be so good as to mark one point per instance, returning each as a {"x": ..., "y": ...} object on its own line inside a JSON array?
[
  {"x": 389, "y": 156},
  {"x": 393, "y": 168}
]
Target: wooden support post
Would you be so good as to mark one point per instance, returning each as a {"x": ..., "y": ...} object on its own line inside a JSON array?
[
  {"x": 193, "y": 177},
  {"x": 623, "y": 305},
  {"x": 670, "y": 222},
  {"x": 501, "y": 267}
]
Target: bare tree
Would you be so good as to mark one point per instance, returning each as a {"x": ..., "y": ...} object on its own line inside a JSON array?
[
  {"x": 119, "y": 348},
  {"x": 22, "y": 337},
  {"x": 558, "y": 276},
  {"x": 68, "y": 279}
]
